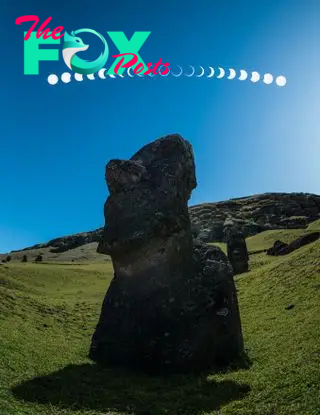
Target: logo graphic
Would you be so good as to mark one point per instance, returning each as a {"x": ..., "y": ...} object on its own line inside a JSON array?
[
  {"x": 128, "y": 56},
  {"x": 128, "y": 59},
  {"x": 73, "y": 44}
]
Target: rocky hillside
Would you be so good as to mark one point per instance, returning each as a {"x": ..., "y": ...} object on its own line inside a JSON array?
[
  {"x": 253, "y": 214},
  {"x": 65, "y": 243}
]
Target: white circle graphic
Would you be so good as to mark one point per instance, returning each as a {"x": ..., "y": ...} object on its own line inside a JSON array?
[
  {"x": 281, "y": 80},
  {"x": 66, "y": 77},
  {"x": 53, "y": 79}
]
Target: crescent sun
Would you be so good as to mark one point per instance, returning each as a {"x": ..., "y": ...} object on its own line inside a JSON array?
[
  {"x": 222, "y": 73},
  {"x": 129, "y": 73},
  {"x": 101, "y": 73},
  {"x": 232, "y": 74},
  {"x": 202, "y": 73},
  {"x": 166, "y": 73},
  {"x": 78, "y": 77},
  {"x": 139, "y": 74},
  {"x": 179, "y": 74},
  {"x": 255, "y": 76},
  {"x": 143, "y": 75},
  {"x": 211, "y": 72},
  {"x": 192, "y": 73},
  {"x": 243, "y": 75}
]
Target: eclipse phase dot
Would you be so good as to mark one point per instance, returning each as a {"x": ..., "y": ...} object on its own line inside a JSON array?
[
  {"x": 53, "y": 79},
  {"x": 255, "y": 77},
  {"x": 281, "y": 80},
  {"x": 65, "y": 77},
  {"x": 78, "y": 77},
  {"x": 268, "y": 78}
]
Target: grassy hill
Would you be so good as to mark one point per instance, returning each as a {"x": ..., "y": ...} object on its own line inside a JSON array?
[
  {"x": 253, "y": 214},
  {"x": 49, "y": 311},
  {"x": 81, "y": 254},
  {"x": 314, "y": 226}
]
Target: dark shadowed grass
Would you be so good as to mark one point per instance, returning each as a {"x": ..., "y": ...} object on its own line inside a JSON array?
[
  {"x": 88, "y": 387},
  {"x": 48, "y": 314}
]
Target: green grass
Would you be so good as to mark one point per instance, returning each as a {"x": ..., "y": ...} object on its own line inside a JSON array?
[
  {"x": 49, "y": 311},
  {"x": 314, "y": 226},
  {"x": 220, "y": 245},
  {"x": 265, "y": 240}
]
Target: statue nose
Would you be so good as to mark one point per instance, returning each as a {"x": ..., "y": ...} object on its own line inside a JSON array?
[{"x": 123, "y": 173}]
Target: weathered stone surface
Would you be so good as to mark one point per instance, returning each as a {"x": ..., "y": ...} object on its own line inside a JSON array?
[
  {"x": 280, "y": 248},
  {"x": 255, "y": 214},
  {"x": 172, "y": 303},
  {"x": 237, "y": 250},
  {"x": 276, "y": 248}
]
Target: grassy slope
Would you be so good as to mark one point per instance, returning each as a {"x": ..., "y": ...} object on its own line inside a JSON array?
[
  {"x": 82, "y": 254},
  {"x": 265, "y": 240},
  {"x": 50, "y": 311},
  {"x": 314, "y": 226}
]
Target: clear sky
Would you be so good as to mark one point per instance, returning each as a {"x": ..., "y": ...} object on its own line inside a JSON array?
[{"x": 247, "y": 138}]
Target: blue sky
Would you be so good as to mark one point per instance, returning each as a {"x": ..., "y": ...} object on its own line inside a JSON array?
[{"x": 247, "y": 138}]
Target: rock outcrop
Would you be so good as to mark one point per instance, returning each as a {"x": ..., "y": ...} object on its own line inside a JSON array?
[
  {"x": 281, "y": 248},
  {"x": 172, "y": 304},
  {"x": 237, "y": 250},
  {"x": 65, "y": 243},
  {"x": 276, "y": 248},
  {"x": 255, "y": 214}
]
